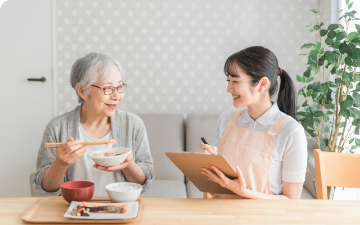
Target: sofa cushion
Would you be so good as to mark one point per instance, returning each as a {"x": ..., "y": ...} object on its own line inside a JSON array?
[
  {"x": 197, "y": 125},
  {"x": 305, "y": 194},
  {"x": 166, "y": 189},
  {"x": 166, "y": 133},
  {"x": 308, "y": 184},
  {"x": 192, "y": 190}
]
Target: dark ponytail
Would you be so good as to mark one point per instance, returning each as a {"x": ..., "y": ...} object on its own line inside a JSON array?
[
  {"x": 259, "y": 62},
  {"x": 287, "y": 96}
]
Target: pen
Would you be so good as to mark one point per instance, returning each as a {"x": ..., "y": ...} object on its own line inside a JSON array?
[{"x": 204, "y": 141}]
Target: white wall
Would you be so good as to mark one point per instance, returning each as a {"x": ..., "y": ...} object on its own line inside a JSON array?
[{"x": 173, "y": 52}]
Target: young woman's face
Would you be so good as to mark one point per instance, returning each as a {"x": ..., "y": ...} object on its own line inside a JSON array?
[
  {"x": 241, "y": 89},
  {"x": 105, "y": 105}
]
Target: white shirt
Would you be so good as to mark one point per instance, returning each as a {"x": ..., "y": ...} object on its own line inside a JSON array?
[
  {"x": 84, "y": 169},
  {"x": 289, "y": 158}
]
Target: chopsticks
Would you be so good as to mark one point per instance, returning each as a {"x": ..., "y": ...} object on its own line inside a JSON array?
[{"x": 55, "y": 145}]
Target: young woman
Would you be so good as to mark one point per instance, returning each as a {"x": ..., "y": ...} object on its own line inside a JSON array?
[{"x": 263, "y": 143}]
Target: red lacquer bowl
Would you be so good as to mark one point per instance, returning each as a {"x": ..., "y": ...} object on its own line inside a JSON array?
[{"x": 77, "y": 191}]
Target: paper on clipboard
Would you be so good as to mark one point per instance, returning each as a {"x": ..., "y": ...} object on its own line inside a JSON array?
[{"x": 190, "y": 165}]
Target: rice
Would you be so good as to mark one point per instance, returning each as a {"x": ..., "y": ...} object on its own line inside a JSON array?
[{"x": 123, "y": 187}]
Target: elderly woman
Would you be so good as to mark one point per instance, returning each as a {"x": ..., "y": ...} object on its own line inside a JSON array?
[{"x": 99, "y": 86}]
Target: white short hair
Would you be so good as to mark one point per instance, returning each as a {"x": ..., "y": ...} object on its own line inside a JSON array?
[{"x": 90, "y": 69}]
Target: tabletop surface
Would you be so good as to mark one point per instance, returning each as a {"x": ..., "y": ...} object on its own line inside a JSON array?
[{"x": 219, "y": 211}]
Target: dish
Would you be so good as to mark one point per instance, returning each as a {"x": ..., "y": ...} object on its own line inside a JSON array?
[
  {"x": 77, "y": 190},
  {"x": 132, "y": 212},
  {"x": 123, "y": 191},
  {"x": 98, "y": 156}
]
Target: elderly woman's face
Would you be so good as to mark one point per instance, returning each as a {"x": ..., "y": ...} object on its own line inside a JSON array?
[{"x": 105, "y": 105}]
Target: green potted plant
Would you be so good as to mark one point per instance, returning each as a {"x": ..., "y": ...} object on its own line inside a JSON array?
[{"x": 330, "y": 110}]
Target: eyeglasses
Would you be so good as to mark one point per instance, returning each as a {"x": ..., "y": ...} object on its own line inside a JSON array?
[{"x": 109, "y": 90}]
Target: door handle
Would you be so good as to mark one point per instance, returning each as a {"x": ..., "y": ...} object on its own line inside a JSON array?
[{"x": 42, "y": 79}]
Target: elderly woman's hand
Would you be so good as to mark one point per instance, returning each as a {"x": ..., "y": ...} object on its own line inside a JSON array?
[
  {"x": 128, "y": 160},
  {"x": 69, "y": 152},
  {"x": 110, "y": 143}
]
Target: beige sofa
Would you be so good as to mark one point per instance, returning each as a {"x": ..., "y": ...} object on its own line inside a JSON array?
[{"x": 174, "y": 133}]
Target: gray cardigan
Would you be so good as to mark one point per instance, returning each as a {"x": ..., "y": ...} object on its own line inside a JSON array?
[{"x": 127, "y": 129}]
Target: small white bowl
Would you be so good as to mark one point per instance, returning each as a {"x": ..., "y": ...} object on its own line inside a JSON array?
[
  {"x": 111, "y": 160},
  {"x": 123, "y": 195}
]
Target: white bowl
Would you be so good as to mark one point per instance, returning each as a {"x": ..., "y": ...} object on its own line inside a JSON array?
[
  {"x": 123, "y": 195},
  {"x": 111, "y": 160}
]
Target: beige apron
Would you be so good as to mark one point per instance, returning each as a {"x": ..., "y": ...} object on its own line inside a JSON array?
[{"x": 251, "y": 151}]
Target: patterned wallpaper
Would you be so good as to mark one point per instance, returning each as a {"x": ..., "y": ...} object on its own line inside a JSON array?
[{"x": 173, "y": 52}]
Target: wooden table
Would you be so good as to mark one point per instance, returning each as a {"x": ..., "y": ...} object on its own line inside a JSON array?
[{"x": 220, "y": 211}]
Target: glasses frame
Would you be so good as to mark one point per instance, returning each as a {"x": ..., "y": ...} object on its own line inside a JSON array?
[{"x": 112, "y": 88}]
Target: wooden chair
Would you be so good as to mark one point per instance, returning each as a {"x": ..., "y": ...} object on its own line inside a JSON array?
[
  {"x": 207, "y": 195},
  {"x": 337, "y": 170}
]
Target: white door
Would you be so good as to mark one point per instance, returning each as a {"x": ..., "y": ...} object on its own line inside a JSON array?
[{"x": 26, "y": 106}]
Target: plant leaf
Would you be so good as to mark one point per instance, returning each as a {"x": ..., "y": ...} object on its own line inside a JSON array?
[
  {"x": 354, "y": 113},
  {"x": 298, "y": 78},
  {"x": 329, "y": 106},
  {"x": 323, "y": 32},
  {"x": 339, "y": 81},
  {"x": 350, "y": 5},
  {"x": 342, "y": 48},
  {"x": 330, "y": 84},
  {"x": 345, "y": 113},
  {"x": 341, "y": 125},
  {"x": 318, "y": 114},
  {"x": 356, "y": 98},
  {"x": 316, "y": 27},
  {"x": 357, "y": 142},
  {"x": 307, "y": 73},
  {"x": 348, "y": 61},
  {"x": 351, "y": 50},
  {"x": 351, "y": 140},
  {"x": 341, "y": 35},
  {"x": 347, "y": 103},
  {"x": 353, "y": 35},
  {"x": 308, "y": 45},
  {"x": 331, "y": 34},
  {"x": 301, "y": 116},
  {"x": 314, "y": 11},
  {"x": 355, "y": 40},
  {"x": 333, "y": 26},
  {"x": 329, "y": 56},
  {"x": 328, "y": 41},
  {"x": 357, "y": 27}
]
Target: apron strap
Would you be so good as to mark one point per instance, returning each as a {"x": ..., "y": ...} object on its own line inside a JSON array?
[
  {"x": 278, "y": 125},
  {"x": 231, "y": 123},
  {"x": 234, "y": 117}
]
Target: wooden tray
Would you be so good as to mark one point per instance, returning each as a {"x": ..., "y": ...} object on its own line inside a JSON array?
[{"x": 52, "y": 209}]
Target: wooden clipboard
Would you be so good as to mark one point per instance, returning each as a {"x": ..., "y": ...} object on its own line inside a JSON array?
[{"x": 190, "y": 165}]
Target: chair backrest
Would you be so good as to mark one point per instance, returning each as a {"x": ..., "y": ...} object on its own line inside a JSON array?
[
  {"x": 337, "y": 170},
  {"x": 33, "y": 191}
]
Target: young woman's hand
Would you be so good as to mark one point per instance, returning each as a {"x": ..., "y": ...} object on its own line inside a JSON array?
[
  {"x": 207, "y": 149},
  {"x": 128, "y": 160},
  {"x": 69, "y": 152},
  {"x": 237, "y": 185}
]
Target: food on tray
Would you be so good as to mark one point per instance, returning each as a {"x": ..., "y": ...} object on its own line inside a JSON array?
[
  {"x": 106, "y": 154},
  {"x": 80, "y": 211},
  {"x": 84, "y": 209},
  {"x": 119, "y": 187}
]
